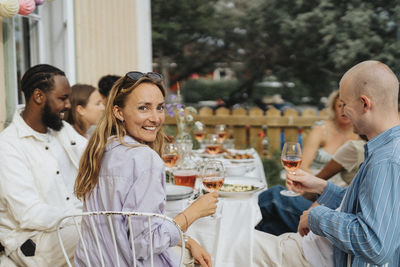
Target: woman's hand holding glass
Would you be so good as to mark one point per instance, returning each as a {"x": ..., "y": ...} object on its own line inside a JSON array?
[{"x": 204, "y": 206}]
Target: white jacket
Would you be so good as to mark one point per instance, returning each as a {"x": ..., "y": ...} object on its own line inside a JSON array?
[{"x": 33, "y": 196}]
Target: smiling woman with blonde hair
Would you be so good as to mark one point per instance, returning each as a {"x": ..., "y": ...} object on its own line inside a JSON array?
[{"x": 121, "y": 170}]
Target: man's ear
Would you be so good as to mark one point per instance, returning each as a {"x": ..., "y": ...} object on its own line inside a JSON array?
[
  {"x": 366, "y": 102},
  {"x": 118, "y": 113},
  {"x": 38, "y": 96}
]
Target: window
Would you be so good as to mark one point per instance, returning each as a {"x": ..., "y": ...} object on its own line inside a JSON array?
[{"x": 26, "y": 34}]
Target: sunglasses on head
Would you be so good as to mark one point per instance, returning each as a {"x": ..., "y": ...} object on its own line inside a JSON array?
[{"x": 136, "y": 75}]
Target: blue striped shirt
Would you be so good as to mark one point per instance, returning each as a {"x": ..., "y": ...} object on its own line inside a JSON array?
[{"x": 368, "y": 225}]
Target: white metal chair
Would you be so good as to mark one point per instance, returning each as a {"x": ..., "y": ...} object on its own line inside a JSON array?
[{"x": 109, "y": 215}]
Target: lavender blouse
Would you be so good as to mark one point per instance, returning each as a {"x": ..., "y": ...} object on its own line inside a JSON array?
[{"x": 130, "y": 179}]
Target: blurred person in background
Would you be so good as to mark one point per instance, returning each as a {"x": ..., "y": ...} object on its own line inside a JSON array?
[
  {"x": 105, "y": 84},
  {"x": 39, "y": 155},
  {"x": 283, "y": 216},
  {"x": 323, "y": 141},
  {"x": 86, "y": 108},
  {"x": 327, "y": 136}
]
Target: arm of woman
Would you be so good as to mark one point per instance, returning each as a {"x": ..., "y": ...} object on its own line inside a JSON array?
[
  {"x": 330, "y": 169},
  {"x": 204, "y": 206},
  {"x": 200, "y": 255},
  {"x": 145, "y": 192},
  {"x": 314, "y": 141}
]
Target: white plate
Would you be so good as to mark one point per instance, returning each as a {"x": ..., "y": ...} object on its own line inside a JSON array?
[
  {"x": 207, "y": 155},
  {"x": 241, "y": 160},
  {"x": 253, "y": 181},
  {"x": 235, "y": 169},
  {"x": 177, "y": 192}
]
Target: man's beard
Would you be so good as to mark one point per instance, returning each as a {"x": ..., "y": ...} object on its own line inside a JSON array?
[{"x": 50, "y": 119}]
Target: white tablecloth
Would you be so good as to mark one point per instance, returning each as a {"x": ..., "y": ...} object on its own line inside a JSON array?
[{"x": 229, "y": 239}]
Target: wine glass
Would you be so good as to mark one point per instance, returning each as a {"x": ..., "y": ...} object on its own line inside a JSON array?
[
  {"x": 220, "y": 130},
  {"x": 291, "y": 160},
  {"x": 213, "y": 176},
  {"x": 199, "y": 132},
  {"x": 170, "y": 155},
  {"x": 213, "y": 146}
]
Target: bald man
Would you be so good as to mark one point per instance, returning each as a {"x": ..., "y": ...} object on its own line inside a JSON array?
[{"x": 358, "y": 225}]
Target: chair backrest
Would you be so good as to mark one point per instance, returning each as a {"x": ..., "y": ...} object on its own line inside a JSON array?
[{"x": 109, "y": 214}]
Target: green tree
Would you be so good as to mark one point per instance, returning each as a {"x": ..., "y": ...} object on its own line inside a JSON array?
[
  {"x": 314, "y": 42},
  {"x": 186, "y": 36},
  {"x": 308, "y": 42}
]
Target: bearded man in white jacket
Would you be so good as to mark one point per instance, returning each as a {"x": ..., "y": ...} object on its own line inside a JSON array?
[{"x": 39, "y": 158}]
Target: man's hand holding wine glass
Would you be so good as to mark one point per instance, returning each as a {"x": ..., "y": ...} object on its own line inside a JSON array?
[{"x": 303, "y": 181}]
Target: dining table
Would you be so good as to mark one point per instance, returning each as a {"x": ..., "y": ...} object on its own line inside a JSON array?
[{"x": 229, "y": 236}]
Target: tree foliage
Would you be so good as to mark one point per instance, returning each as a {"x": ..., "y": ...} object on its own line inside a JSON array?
[
  {"x": 315, "y": 41},
  {"x": 186, "y": 36},
  {"x": 309, "y": 42}
]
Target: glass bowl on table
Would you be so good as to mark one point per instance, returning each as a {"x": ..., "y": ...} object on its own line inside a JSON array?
[{"x": 229, "y": 144}]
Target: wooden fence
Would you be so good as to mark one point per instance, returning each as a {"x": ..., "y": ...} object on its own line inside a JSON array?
[{"x": 246, "y": 125}]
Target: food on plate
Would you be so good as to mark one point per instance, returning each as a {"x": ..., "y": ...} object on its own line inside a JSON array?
[
  {"x": 238, "y": 156},
  {"x": 214, "y": 149},
  {"x": 237, "y": 188}
]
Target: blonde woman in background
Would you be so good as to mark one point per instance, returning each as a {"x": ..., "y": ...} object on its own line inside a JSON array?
[
  {"x": 121, "y": 170},
  {"x": 86, "y": 108},
  {"x": 327, "y": 136},
  {"x": 280, "y": 213}
]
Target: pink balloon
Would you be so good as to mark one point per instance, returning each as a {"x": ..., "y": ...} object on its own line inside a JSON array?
[
  {"x": 26, "y": 7},
  {"x": 39, "y": 2}
]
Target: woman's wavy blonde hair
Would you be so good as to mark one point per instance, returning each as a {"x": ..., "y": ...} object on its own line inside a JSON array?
[
  {"x": 109, "y": 125},
  {"x": 331, "y": 104}
]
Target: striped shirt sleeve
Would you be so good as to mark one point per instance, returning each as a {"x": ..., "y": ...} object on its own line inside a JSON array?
[{"x": 372, "y": 233}]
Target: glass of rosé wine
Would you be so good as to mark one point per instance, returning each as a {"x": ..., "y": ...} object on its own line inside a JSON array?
[
  {"x": 213, "y": 176},
  {"x": 213, "y": 146},
  {"x": 291, "y": 161},
  {"x": 199, "y": 132},
  {"x": 170, "y": 155},
  {"x": 222, "y": 132}
]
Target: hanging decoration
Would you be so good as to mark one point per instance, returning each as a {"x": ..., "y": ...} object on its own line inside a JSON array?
[
  {"x": 39, "y": 2},
  {"x": 26, "y": 7},
  {"x": 9, "y": 8}
]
